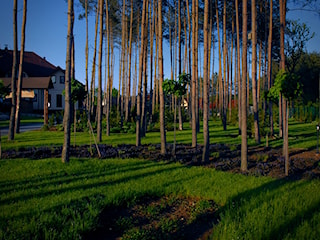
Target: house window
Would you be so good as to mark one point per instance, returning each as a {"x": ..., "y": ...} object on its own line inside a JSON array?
[
  {"x": 61, "y": 79},
  {"x": 59, "y": 100},
  {"x": 53, "y": 79},
  {"x": 49, "y": 100}
]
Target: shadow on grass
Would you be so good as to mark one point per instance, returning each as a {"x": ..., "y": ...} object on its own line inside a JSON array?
[
  {"x": 249, "y": 206},
  {"x": 66, "y": 177},
  {"x": 81, "y": 186}
]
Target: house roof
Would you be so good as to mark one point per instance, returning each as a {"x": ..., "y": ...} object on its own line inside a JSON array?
[
  {"x": 31, "y": 82},
  {"x": 33, "y": 64}
]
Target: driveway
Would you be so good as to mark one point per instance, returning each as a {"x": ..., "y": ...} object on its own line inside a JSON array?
[{"x": 23, "y": 128}]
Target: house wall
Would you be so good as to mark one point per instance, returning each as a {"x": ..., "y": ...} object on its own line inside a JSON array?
[{"x": 57, "y": 97}]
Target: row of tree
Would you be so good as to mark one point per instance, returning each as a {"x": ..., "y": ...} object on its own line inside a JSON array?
[{"x": 138, "y": 29}]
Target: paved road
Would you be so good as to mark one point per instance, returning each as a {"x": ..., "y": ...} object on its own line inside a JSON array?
[{"x": 23, "y": 128}]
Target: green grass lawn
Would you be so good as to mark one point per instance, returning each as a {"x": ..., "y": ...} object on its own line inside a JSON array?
[
  {"x": 301, "y": 135},
  {"x": 45, "y": 199}
]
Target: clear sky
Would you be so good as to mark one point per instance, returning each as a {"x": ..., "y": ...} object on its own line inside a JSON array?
[{"x": 46, "y": 32}]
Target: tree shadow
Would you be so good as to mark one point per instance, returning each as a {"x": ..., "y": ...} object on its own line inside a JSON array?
[{"x": 238, "y": 206}]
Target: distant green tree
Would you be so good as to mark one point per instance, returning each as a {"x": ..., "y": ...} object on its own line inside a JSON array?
[
  {"x": 178, "y": 89},
  {"x": 4, "y": 91}
]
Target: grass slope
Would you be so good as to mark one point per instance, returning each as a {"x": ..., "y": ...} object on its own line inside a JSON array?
[{"x": 45, "y": 199}]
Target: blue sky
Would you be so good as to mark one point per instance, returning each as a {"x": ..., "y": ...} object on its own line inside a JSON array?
[{"x": 46, "y": 32}]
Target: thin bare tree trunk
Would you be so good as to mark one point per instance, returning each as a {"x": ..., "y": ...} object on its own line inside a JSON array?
[
  {"x": 254, "y": 71},
  {"x": 162, "y": 123},
  {"x": 238, "y": 64},
  {"x": 87, "y": 56},
  {"x": 224, "y": 95},
  {"x": 99, "y": 98},
  {"x": 179, "y": 61},
  {"x": 152, "y": 16},
  {"x": 194, "y": 76},
  {"x": 221, "y": 102},
  {"x": 206, "y": 142},
  {"x": 270, "y": 66},
  {"x": 141, "y": 59},
  {"x": 20, "y": 77},
  {"x": 285, "y": 107},
  {"x": 197, "y": 61},
  {"x": 14, "y": 74},
  {"x": 94, "y": 63},
  {"x": 109, "y": 93},
  {"x": 68, "y": 73},
  {"x": 244, "y": 146}
]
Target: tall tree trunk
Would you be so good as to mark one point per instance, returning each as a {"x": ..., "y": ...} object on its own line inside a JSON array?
[
  {"x": 129, "y": 67},
  {"x": 194, "y": 77},
  {"x": 109, "y": 93},
  {"x": 244, "y": 146},
  {"x": 93, "y": 73},
  {"x": 162, "y": 123},
  {"x": 179, "y": 61},
  {"x": 145, "y": 78},
  {"x": 14, "y": 74},
  {"x": 99, "y": 98},
  {"x": 224, "y": 95},
  {"x": 152, "y": 16},
  {"x": 68, "y": 73},
  {"x": 124, "y": 53},
  {"x": 238, "y": 64},
  {"x": 270, "y": 65},
  {"x": 141, "y": 59},
  {"x": 220, "y": 66},
  {"x": 231, "y": 65},
  {"x": 87, "y": 56},
  {"x": 285, "y": 110},
  {"x": 20, "y": 77},
  {"x": 155, "y": 81},
  {"x": 254, "y": 71},
  {"x": 196, "y": 68},
  {"x": 205, "y": 156}
]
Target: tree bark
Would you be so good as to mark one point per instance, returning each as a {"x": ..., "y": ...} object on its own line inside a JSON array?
[
  {"x": 244, "y": 146},
  {"x": 14, "y": 74},
  {"x": 87, "y": 56},
  {"x": 20, "y": 76},
  {"x": 68, "y": 73},
  {"x": 93, "y": 72},
  {"x": 162, "y": 121},
  {"x": 238, "y": 64},
  {"x": 270, "y": 65},
  {"x": 285, "y": 110},
  {"x": 254, "y": 71},
  {"x": 99, "y": 97},
  {"x": 194, "y": 77},
  {"x": 205, "y": 156},
  {"x": 141, "y": 57}
]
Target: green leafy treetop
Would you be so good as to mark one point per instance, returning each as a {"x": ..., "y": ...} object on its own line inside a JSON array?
[
  {"x": 177, "y": 88},
  {"x": 288, "y": 84}
]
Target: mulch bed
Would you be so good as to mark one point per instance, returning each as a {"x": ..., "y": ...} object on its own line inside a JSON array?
[{"x": 261, "y": 161}]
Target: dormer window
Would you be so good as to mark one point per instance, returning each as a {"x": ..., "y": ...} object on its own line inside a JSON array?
[
  {"x": 62, "y": 79},
  {"x": 53, "y": 79}
]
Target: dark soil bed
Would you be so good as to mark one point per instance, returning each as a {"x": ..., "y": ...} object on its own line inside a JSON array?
[
  {"x": 167, "y": 217},
  {"x": 261, "y": 161}
]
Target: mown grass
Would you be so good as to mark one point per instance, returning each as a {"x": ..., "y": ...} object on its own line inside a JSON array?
[
  {"x": 45, "y": 199},
  {"x": 301, "y": 135}
]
